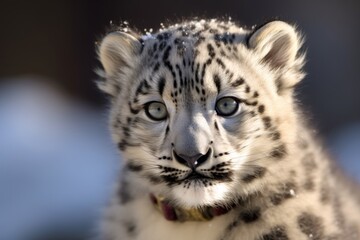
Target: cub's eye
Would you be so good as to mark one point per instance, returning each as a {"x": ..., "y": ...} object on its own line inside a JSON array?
[
  {"x": 227, "y": 106},
  {"x": 156, "y": 111}
]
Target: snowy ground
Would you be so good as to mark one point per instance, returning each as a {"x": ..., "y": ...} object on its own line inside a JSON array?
[{"x": 57, "y": 162}]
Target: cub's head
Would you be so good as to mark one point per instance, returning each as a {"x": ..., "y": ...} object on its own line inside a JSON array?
[{"x": 203, "y": 111}]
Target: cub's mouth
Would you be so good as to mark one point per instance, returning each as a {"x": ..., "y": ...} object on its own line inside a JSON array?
[
  {"x": 193, "y": 176},
  {"x": 197, "y": 179},
  {"x": 218, "y": 173}
]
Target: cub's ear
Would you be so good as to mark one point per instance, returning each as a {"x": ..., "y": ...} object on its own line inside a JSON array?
[
  {"x": 117, "y": 54},
  {"x": 277, "y": 43}
]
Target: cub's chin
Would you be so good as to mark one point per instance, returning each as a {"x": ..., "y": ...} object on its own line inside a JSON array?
[{"x": 197, "y": 195}]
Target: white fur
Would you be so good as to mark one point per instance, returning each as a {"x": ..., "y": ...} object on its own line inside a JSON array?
[{"x": 271, "y": 66}]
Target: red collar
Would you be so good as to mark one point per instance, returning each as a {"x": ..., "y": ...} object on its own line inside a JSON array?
[{"x": 172, "y": 213}]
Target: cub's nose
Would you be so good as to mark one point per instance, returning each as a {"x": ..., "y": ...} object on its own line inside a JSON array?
[{"x": 192, "y": 161}]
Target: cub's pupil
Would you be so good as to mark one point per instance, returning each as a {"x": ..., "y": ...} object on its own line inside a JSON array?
[
  {"x": 225, "y": 104},
  {"x": 159, "y": 110}
]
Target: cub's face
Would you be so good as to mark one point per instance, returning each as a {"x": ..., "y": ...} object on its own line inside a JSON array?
[{"x": 201, "y": 111}]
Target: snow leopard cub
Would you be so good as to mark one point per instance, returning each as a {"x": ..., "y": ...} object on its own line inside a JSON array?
[{"x": 214, "y": 145}]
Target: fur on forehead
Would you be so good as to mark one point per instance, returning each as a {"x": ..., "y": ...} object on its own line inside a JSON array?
[{"x": 274, "y": 45}]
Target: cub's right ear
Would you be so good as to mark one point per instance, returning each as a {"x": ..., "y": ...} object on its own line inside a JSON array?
[
  {"x": 277, "y": 44},
  {"x": 117, "y": 54}
]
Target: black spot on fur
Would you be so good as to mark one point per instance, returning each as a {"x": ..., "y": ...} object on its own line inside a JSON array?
[
  {"x": 275, "y": 135},
  {"x": 177, "y": 41},
  {"x": 154, "y": 179},
  {"x": 161, "y": 85},
  {"x": 122, "y": 145},
  {"x": 167, "y": 130},
  {"x": 250, "y": 216},
  {"x": 180, "y": 76},
  {"x": 130, "y": 228},
  {"x": 197, "y": 89},
  {"x": 279, "y": 84},
  {"x": 126, "y": 131},
  {"x": 309, "y": 184},
  {"x": 159, "y": 37},
  {"x": 217, "y": 82},
  {"x": 162, "y": 45},
  {"x": 142, "y": 45},
  {"x": 155, "y": 47},
  {"x": 211, "y": 50},
  {"x": 216, "y": 126},
  {"x": 261, "y": 108},
  {"x": 203, "y": 74},
  {"x": 231, "y": 75},
  {"x": 247, "y": 200},
  {"x": 156, "y": 67},
  {"x": 231, "y": 226},
  {"x": 311, "y": 225},
  {"x": 166, "y": 35},
  {"x": 256, "y": 173},
  {"x": 166, "y": 53},
  {"x": 284, "y": 192},
  {"x": 249, "y": 103},
  {"x": 238, "y": 82},
  {"x": 267, "y": 122},
  {"x": 278, "y": 152},
  {"x": 134, "y": 167},
  {"x": 124, "y": 193},
  {"x": 221, "y": 63},
  {"x": 222, "y": 175},
  {"x": 197, "y": 72},
  {"x": 276, "y": 233}
]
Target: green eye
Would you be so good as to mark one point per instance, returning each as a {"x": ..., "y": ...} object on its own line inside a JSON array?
[
  {"x": 156, "y": 111},
  {"x": 227, "y": 106}
]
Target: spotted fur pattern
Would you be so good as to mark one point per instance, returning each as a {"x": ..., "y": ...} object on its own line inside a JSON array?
[{"x": 264, "y": 162}]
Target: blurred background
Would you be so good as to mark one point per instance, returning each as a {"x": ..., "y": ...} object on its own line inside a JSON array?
[{"x": 57, "y": 161}]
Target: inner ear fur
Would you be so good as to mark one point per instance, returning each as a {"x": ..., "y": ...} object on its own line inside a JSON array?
[
  {"x": 117, "y": 53},
  {"x": 278, "y": 43}
]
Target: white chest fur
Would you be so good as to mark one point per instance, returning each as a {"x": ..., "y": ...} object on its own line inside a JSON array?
[{"x": 141, "y": 220}]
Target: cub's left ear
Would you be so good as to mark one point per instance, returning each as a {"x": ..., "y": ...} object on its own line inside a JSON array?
[
  {"x": 117, "y": 53},
  {"x": 277, "y": 43}
]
